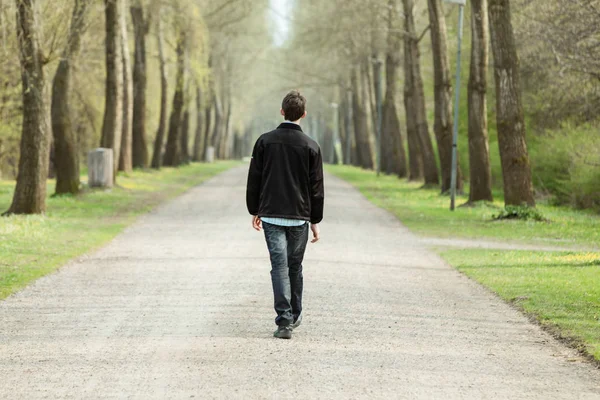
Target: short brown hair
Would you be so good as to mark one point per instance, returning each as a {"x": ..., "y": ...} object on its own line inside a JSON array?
[{"x": 294, "y": 106}]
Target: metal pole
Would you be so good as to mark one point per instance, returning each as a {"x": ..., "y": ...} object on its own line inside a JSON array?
[
  {"x": 461, "y": 14},
  {"x": 378, "y": 73}
]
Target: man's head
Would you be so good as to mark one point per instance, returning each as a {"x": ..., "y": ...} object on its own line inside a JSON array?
[{"x": 293, "y": 107}]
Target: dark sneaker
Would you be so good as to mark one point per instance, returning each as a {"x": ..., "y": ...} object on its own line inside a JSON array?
[
  {"x": 297, "y": 322},
  {"x": 283, "y": 332}
]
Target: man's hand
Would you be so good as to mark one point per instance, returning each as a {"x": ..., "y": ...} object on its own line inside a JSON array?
[
  {"x": 256, "y": 223},
  {"x": 316, "y": 232}
]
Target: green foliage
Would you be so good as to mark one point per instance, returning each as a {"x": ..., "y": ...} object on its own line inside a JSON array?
[
  {"x": 427, "y": 213},
  {"x": 566, "y": 165},
  {"x": 33, "y": 246},
  {"x": 561, "y": 290},
  {"x": 523, "y": 213}
]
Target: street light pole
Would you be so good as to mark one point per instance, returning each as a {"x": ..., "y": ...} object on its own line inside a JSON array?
[{"x": 461, "y": 17}]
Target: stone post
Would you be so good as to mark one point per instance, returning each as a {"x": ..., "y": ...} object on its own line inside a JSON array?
[
  {"x": 210, "y": 154},
  {"x": 101, "y": 168}
]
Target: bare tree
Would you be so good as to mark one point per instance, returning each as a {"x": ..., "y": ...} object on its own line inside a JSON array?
[
  {"x": 479, "y": 148},
  {"x": 518, "y": 189},
  {"x": 66, "y": 154},
  {"x": 30, "y": 192}
]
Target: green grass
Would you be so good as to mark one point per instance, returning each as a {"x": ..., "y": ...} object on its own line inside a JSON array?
[
  {"x": 427, "y": 213},
  {"x": 560, "y": 290},
  {"x": 33, "y": 246}
]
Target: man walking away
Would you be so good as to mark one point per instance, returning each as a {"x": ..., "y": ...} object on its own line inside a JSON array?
[{"x": 284, "y": 194}]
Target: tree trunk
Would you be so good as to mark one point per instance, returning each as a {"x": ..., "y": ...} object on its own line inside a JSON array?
[
  {"x": 66, "y": 155},
  {"x": 361, "y": 125},
  {"x": 198, "y": 136},
  {"x": 443, "y": 121},
  {"x": 207, "y": 130},
  {"x": 367, "y": 85},
  {"x": 518, "y": 189},
  {"x": 393, "y": 157},
  {"x": 342, "y": 125},
  {"x": 225, "y": 143},
  {"x": 350, "y": 145},
  {"x": 185, "y": 138},
  {"x": 479, "y": 148},
  {"x": 413, "y": 55},
  {"x": 30, "y": 192},
  {"x": 125, "y": 162},
  {"x": 216, "y": 133},
  {"x": 113, "y": 112},
  {"x": 164, "y": 86},
  {"x": 415, "y": 158},
  {"x": 140, "y": 146},
  {"x": 370, "y": 91},
  {"x": 172, "y": 152}
]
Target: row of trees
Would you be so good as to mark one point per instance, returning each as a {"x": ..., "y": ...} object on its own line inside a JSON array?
[
  {"x": 350, "y": 37},
  {"x": 194, "y": 37}
]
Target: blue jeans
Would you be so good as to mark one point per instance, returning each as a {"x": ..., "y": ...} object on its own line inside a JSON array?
[{"x": 286, "y": 248}]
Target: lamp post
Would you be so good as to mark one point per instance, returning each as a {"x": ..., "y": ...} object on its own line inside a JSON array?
[{"x": 461, "y": 17}]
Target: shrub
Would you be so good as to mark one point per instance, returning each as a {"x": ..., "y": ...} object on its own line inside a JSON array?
[
  {"x": 566, "y": 164},
  {"x": 521, "y": 213}
]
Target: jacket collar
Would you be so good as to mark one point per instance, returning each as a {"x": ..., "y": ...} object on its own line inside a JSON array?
[{"x": 287, "y": 125}]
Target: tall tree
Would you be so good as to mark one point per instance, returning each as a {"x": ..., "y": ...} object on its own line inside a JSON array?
[
  {"x": 361, "y": 124},
  {"x": 66, "y": 154},
  {"x": 413, "y": 103},
  {"x": 164, "y": 86},
  {"x": 516, "y": 170},
  {"x": 199, "y": 133},
  {"x": 443, "y": 94},
  {"x": 218, "y": 125},
  {"x": 207, "y": 128},
  {"x": 226, "y": 142},
  {"x": 185, "y": 137},
  {"x": 173, "y": 148},
  {"x": 393, "y": 154},
  {"x": 125, "y": 163},
  {"x": 479, "y": 148},
  {"x": 113, "y": 112},
  {"x": 141, "y": 28},
  {"x": 30, "y": 192}
]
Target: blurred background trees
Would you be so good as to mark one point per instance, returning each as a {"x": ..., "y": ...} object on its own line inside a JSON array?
[{"x": 161, "y": 81}]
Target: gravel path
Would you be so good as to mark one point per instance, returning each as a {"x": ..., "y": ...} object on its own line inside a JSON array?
[{"x": 180, "y": 306}]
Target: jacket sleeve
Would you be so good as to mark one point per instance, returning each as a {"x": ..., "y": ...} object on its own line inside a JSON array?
[
  {"x": 317, "y": 190},
  {"x": 255, "y": 179}
]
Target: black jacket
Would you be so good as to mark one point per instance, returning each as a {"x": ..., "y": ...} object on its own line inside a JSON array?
[{"x": 286, "y": 176}]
